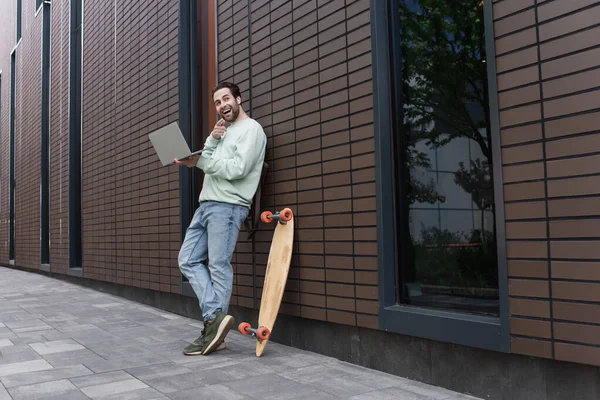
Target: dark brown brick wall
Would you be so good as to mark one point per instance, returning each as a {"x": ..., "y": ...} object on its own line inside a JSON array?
[
  {"x": 27, "y": 140},
  {"x": 59, "y": 138},
  {"x": 547, "y": 62},
  {"x": 130, "y": 202},
  {"x": 7, "y": 42},
  {"x": 305, "y": 71}
]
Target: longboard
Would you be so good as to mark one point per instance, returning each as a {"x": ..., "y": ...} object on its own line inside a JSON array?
[{"x": 278, "y": 266}]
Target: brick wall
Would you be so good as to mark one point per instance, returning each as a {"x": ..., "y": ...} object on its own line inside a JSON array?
[
  {"x": 59, "y": 137},
  {"x": 305, "y": 71},
  {"x": 28, "y": 139},
  {"x": 7, "y": 42},
  {"x": 130, "y": 202},
  {"x": 547, "y": 62}
]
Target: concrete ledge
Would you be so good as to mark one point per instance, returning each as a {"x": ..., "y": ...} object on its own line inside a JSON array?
[{"x": 482, "y": 373}]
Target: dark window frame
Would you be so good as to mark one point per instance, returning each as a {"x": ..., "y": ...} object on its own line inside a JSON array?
[
  {"x": 19, "y": 19},
  {"x": 191, "y": 125},
  {"x": 447, "y": 326},
  {"x": 11, "y": 163},
  {"x": 75, "y": 133},
  {"x": 45, "y": 136}
]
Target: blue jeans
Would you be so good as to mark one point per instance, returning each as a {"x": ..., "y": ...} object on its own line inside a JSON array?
[{"x": 212, "y": 235}]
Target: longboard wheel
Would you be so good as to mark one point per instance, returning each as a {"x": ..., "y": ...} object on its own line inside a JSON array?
[
  {"x": 266, "y": 217},
  {"x": 244, "y": 328},
  {"x": 286, "y": 215},
  {"x": 263, "y": 333}
]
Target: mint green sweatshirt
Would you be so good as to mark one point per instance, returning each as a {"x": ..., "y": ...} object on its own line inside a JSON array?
[{"x": 233, "y": 164}]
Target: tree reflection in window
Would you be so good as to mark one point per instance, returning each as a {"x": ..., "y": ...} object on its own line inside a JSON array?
[{"x": 446, "y": 219}]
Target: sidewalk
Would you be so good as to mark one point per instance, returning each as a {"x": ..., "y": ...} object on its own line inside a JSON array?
[{"x": 62, "y": 341}]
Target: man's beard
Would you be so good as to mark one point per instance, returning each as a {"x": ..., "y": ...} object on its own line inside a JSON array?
[{"x": 233, "y": 115}]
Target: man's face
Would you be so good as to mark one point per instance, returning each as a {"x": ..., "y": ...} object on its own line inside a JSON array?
[{"x": 226, "y": 105}]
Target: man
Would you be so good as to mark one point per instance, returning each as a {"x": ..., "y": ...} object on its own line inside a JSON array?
[{"x": 232, "y": 162}]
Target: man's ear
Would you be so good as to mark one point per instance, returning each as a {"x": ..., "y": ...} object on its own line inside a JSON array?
[{"x": 239, "y": 100}]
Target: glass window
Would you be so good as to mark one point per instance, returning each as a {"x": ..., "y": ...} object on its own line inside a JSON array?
[{"x": 446, "y": 210}]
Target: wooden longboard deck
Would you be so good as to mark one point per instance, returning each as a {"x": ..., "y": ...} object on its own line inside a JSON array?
[{"x": 278, "y": 266}]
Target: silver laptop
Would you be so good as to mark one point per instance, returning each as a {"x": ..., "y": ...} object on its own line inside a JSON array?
[{"x": 169, "y": 144}]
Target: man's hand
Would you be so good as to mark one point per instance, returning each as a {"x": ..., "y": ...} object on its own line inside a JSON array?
[
  {"x": 188, "y": 162},
  {"x": 219, "y": 129}
]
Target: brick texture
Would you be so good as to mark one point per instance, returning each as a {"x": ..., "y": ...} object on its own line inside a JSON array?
[
  {"x": 548, "y": 80},
  {"x": 27, "y": 138},
  {"x": 130, "y": 202},
  {"x": 305, "y": 71},
  {"x": 7, "y": 43}
]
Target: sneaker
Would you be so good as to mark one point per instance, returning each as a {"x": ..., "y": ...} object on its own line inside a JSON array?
[
  {"x": 195, "y": 348},
  {"x": 216, "y": 330}
]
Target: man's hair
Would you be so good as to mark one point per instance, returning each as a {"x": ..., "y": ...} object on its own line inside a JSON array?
[{"x": 233, "y": 88}]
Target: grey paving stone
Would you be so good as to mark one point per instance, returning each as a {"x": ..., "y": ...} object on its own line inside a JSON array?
[
  {"x": 272, "y": 386},
  {"x": 182, "y": 382},
  {"x": 389, "y": 394},
  {"x": 4, "y": 394},
  {"x": 214, "y": 392},
  {"x": 431, "y": 392},
  {"x": 100, "y": 365},
  {"x": 24, "y": 366},
  {"x": 5, "y": 343},
  {"x": 75, "y": 357},
  {"x": 17, "y": 353},
  {"x": 57, "y": 346},
  {"x": 58, "y": 390},
  {"x": 139, "y": 394},
  {"x": 108, "y": 384},
  {"x": 89, "y": 344},
  {"x": 29, "y": 378}
]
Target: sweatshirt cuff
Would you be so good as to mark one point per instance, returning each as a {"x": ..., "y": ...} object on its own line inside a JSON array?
[{"x": 211, "y": 141}]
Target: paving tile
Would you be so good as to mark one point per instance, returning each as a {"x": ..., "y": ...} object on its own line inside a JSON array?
[
  {"x": 55, "y": 390},
  {"x": 389, "y": 394},
  {"x": 431, "y": 392},
  {"x": 271, "y": 386},
  {"x": 139, "y": 394},
  {"x": 213, "y": 392},
  {"x": 24, "y": 366},
  {"x": 62, "y": 341},
  {"x": 75, "y": 357},
  {"x": 29, "y": 378},
  {"x": 108, "y": 384},
  {"x": 57, "y": 346},
  {"x": 4, "y": 394}
]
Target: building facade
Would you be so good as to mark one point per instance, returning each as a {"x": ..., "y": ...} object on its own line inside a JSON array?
[{"x": 441, "y": 159}]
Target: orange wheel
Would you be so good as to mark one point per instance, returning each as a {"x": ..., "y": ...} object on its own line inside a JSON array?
[
  {"x": 286, "y": 215},
  {"x": 263, "y": 333},
  {"x": 242, "y": 328},
  {"x": 266, "y": 217}
]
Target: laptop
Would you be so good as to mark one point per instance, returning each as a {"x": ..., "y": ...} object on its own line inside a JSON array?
[{"x": 169, "y": 144}]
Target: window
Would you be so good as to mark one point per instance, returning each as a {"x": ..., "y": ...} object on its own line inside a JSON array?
[
  {"x": 444, "y": 158},
  {"x": 11, "y": 164},
  {"x": 75, "y": 125},
  {"x": 38, "y": 5},
  {"x": 441, "y": 269},
  {"x": 45, "y": 139},
  {"x": 19, "y": 11}
]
